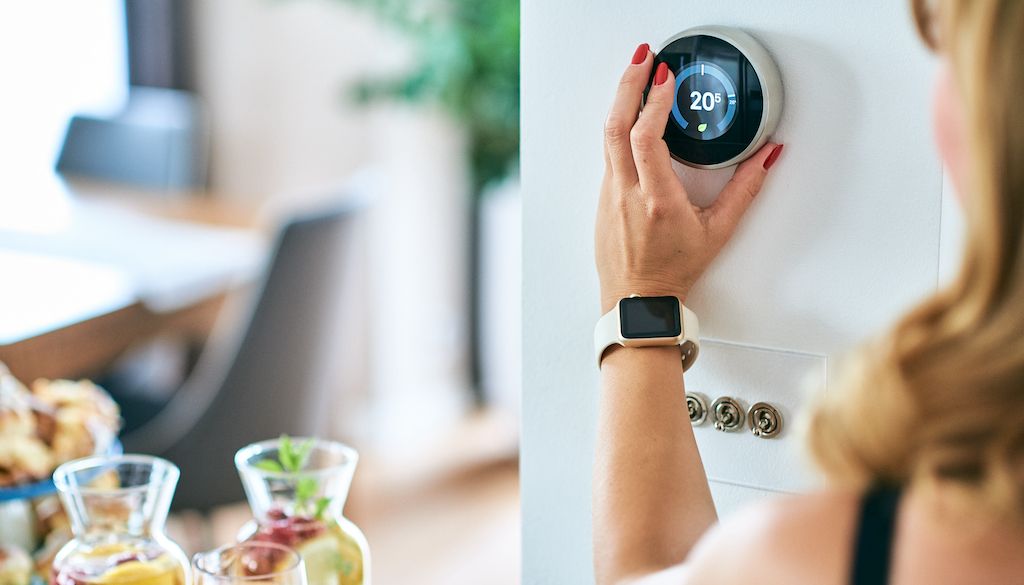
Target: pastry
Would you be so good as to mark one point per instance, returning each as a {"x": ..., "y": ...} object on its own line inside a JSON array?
[
  {"x": 16, "y": 417},
  {"x": 15, "y": 566},
  {"x": 82, "y": 398},
  {"x": 24, "y": 459}
]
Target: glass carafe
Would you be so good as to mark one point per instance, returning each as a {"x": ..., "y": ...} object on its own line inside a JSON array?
[
  {"x": 297, "y": 488},
  {"x": 117, "y": 506}
]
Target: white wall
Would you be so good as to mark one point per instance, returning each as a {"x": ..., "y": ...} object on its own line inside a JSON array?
[
  {"x": 845, "y": 235},
  {"x": 273, "y": 75}
]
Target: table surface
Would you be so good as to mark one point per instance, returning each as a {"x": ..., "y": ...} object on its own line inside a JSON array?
[
  {"x": 45, "y": 292},
  {"x": 85, "y": 272}
]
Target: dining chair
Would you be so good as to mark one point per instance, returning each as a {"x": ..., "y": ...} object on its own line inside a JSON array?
[
  {"x": 157, "y": 141},
  {"x": 266, "y": 378}
]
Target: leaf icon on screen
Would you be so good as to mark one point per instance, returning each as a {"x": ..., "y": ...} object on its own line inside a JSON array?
[{"x": 702, "y": 127}]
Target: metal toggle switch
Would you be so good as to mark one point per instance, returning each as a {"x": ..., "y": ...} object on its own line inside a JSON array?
[
  {"x": 698, "y": 408},
  {"x": 765, "y": 420},
  {"x": 727, "y": 413}
]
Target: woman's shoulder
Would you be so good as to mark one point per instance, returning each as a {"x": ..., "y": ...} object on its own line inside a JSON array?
[{"x": 790, "y": 539}]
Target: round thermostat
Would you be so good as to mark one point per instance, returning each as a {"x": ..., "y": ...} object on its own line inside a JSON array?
[{"x": 728, "y": 96}]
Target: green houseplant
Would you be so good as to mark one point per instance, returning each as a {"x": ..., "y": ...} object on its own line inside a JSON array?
[{"x": 467, "y": 63}]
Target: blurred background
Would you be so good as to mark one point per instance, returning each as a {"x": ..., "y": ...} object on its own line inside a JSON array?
[{"x": 251, "y": 217}]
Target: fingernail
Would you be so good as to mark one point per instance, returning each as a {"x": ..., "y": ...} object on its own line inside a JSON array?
[
  {"x": 774, "y": 156},
  {"x": 641, "y": 53},
  {"x": 661, "y": 74}
]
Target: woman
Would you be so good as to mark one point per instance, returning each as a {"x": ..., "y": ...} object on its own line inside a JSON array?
[{"x": 923, "y": 443}]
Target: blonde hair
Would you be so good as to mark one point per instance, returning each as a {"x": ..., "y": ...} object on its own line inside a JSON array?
[{"x": 941, "y": 395}]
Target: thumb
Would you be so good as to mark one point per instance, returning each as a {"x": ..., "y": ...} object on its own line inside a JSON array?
[{"x": 737, "y": 195}]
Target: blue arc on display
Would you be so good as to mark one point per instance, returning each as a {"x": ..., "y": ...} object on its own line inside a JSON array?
[{"x": 725, "y": 121}]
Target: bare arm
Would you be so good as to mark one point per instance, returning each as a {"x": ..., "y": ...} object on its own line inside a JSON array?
[{"x": 651, "y": 497}]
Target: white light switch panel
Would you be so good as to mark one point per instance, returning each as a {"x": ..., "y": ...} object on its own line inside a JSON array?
[{"x": 749, "y": 375}]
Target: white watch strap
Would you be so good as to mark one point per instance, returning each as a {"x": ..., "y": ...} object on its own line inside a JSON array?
[{"x": 607, "y": 333}]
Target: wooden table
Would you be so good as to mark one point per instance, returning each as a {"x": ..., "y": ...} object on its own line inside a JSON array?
[
  {"x": 71, "y": 302},
  {"x": 84, "y": 348}
]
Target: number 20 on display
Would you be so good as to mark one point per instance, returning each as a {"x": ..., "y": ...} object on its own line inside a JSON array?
[{"x": 704, "y": 101}]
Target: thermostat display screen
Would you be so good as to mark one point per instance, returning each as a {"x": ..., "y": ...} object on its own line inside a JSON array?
[
  {"x": 719, "y": 101},
  {"x": 705, "y": 106}
]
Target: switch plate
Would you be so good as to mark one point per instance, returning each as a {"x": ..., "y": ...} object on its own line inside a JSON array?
[{"x": 752, "y": 374}]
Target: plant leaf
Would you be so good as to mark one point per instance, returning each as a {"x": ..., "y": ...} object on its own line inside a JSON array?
[
  {"x": 468, "y": 63},
  {"x": 268, "y": 465},
  {"x": 305, "y": 489},
  {"x": 302, "y": 454},
  {"x": 286, "y": 454},
  {"x": 321, "y": 507}
]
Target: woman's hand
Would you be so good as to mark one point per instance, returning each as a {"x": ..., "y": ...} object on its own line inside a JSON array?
[{"x": 650, "y": 239}]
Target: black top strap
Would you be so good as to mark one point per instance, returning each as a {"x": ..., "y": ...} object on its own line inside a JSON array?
[{"x": 873, "y": 553}]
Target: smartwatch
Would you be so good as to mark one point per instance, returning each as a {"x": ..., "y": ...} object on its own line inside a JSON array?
[{"x": 639, "y": 321}]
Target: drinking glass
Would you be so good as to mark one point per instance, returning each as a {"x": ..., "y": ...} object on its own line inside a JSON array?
[{"x": 249, "y": 563}]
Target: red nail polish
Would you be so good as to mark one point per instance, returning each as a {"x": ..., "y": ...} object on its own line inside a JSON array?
[
  {"x": 641, "y": 53},
  {"x": 661, "y": 74},
  {"x": 774, "y": 156}
]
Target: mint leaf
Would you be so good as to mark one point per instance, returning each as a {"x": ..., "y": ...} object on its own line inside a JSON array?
[
  {"x": 286, "y": 454},
  {"x": 268, "y": 465},
  {"x": 321, "y": 507},
  {"x": 301, "y": 454},
  {"x": 305, "y": 489},
  {"x": 293, "y": 459}
]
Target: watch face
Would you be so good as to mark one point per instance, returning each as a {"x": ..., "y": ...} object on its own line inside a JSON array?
[{"x": 649, "y": 317}]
